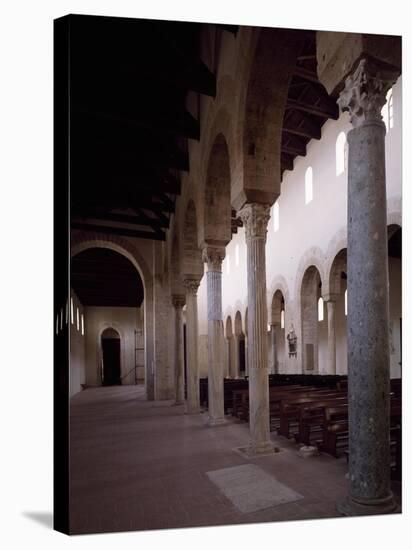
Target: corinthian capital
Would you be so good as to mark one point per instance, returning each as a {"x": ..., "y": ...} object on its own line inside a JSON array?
[
  {"x": 255, "y": 218},
  {"x": 365, "y": 90},
  {"x": 191, "y": 285},
  {"x": 213, "y": 256},
  {"x": 178, "y": 300}
]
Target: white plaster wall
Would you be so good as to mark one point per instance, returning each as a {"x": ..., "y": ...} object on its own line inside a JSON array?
[
  {"x": 77, "y": 347},
  {"x": 311, "y": 232},
  {"x": 125, "y": 321}
]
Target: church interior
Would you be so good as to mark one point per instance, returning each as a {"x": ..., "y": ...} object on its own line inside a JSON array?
[{"x": 233, "y": 311}]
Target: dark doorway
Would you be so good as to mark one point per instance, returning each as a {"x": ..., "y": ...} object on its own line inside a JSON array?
[{"x": 111, "y": 358}]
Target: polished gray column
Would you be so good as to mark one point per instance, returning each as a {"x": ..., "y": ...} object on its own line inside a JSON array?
[
  {"x": 178, "y": 303},
  {"x": 214, "y": 256},
  {"x": 368, "y": 314},
  {"x": 192, "y": 362},
  {"x": 255, "y": 218}
]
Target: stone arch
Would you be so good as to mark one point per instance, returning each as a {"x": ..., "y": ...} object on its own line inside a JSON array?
[
  {"x": 238, "y": 323},
  {"x": 338, "y": 266},
  {"x": 80, "y": 241},
  {"x": 309, "y": 296},
  {"x": 228, "y": 327},
  {"x": 272, "y": 57},
  {"x": 313, "y": 257},
  {"x": 230, "y": 342},
  {"x": 216, "y": 227},
  {"x": 239, "y": 345}
]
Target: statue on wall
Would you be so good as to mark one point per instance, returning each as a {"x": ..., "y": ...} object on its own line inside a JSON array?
[{"x": 292, "y": 342}]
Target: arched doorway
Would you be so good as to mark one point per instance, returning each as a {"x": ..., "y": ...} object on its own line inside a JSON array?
[
  {"x": 277, "y": 333},
  {"x": 110, "y": 342},
  {"x": 311, "y": 317},
  {"x": 240, "y": 351}
]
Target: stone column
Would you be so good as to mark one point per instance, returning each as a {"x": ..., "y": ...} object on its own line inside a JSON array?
[
  {"x": 368, "y": 314},
  {"x": 178, "y": 303},
  {"x": 236, "y": 356},
  {"x": 192, "y": 362},
  {"x": 331, "y": 307},
  {"x": 213, "y": 256},
  {"x": 273, "y": 348},
  {"x": 255, "y": 218}
]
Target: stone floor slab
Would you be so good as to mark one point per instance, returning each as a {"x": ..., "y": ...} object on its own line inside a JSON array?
[{"x": 250, "y": 488}]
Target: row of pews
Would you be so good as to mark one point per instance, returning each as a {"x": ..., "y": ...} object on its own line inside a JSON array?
[{"x": 313, "y": 410}]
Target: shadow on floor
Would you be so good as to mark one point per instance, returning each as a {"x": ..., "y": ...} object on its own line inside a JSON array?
[{"x": 42, "y": 518}]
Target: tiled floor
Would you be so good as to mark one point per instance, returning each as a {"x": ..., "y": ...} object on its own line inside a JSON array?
[{"x": 143, "y": 465}]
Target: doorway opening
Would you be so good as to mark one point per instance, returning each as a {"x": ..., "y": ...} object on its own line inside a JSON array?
[{"x": 111, "y": 357}]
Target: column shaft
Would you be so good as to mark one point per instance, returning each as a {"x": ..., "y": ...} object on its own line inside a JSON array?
[
  {"x": 192, "y": 363},
  {"x": 368, "y": 298},
  {"x": 331, "y": 305},
  {"x": 178, "y": 303},
  {"x": 255, "y": 218},
  {"x": 214, "y": 256}
]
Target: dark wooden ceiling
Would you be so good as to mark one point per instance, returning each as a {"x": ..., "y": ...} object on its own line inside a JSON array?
[
  {"x": 308, "y": 106},
  {"x": 102, "y": 277},
  {"x": 129, "y": 124}
]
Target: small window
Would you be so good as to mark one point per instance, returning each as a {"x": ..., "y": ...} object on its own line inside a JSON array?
[
  {"x": 77, "y": 319},
  {"x": 237, "y": 255},
  {"x": 282, "y": 319},
  {"x": 308, "y": 185},
  {"x": 341, "y": 153},
  {"x": 61, "y": 319},
  {"x": 227, "y": 264},
  {"x": 320, "y": 309},
  {"x": 82, "y": 324},
  {"x": 276, "y": 216},
  {"x": 71, "y": 311},
  {"x": 346, "y": 302}
]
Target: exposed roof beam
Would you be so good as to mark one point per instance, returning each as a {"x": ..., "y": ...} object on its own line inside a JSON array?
[
  {"x": 286, "y": 161},
  {"x": 293, "y": 150},
  {"x": 306, "y": 128},
  {"x": 306, "y": 74},
  {"x": 159, "y": 236},
  {"x": 140, "y": 219},
  {"x": 324, "y": 109}
]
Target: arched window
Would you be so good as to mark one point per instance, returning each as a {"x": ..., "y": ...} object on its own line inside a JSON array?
[
  {"x": 276, "y": 216},
  {"x": 282, "y": 319},
  {"x": 341, "y": 148},
  {"x": 67, "y": 311},
  {"x": 387, "y": 111},
  {"x": 227, "y": 264},
  {"x": 237, "y": 255},
  {"x": 308, "y": 185},
  {"x": 346, "y": 302},
  {"x": 71, "y": 311},
  {"x": 61, "y": 319},
  {"x": 77, "y": 319},
  {"x": 320, "y": 309},
  {"x": 82, "y": 324}
]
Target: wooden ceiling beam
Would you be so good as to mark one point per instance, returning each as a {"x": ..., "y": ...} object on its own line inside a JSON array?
[
  {"x": 323, "y": 109},
  {"x": 305, "y": 128},
  {"x": 293, "y": 150},
  {"x": 158, "y": 236}
]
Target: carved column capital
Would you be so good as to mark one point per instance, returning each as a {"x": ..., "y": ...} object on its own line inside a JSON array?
[
  {"x": 365, "y": 91},
  {"x": 178, "y": 300},
  {"x": 213, "y": 256},
  {"x": 191, "y": 285},
  {"x": 255, "y": 218}
]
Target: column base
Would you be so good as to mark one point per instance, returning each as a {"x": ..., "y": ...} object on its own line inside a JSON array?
[
  {"x": 216, "y": 422},
  {"x": 257, "y": 449},
  {"x": 176, "y": 403},
  {"x": 350, "y": 507}
]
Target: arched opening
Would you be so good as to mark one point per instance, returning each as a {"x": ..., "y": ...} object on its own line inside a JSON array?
[
  {"x": 310, "y": 294},
  {"x": 240, "y": 351},
  {"x": 395, "y": 299},
  {"x": 341, "y": 153},
  {"x": 108, "y": 292},
  {"x": 110, "y": 372},
  {"x": 337, "y": 309},
  {"x": 277, "y": 333}
]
